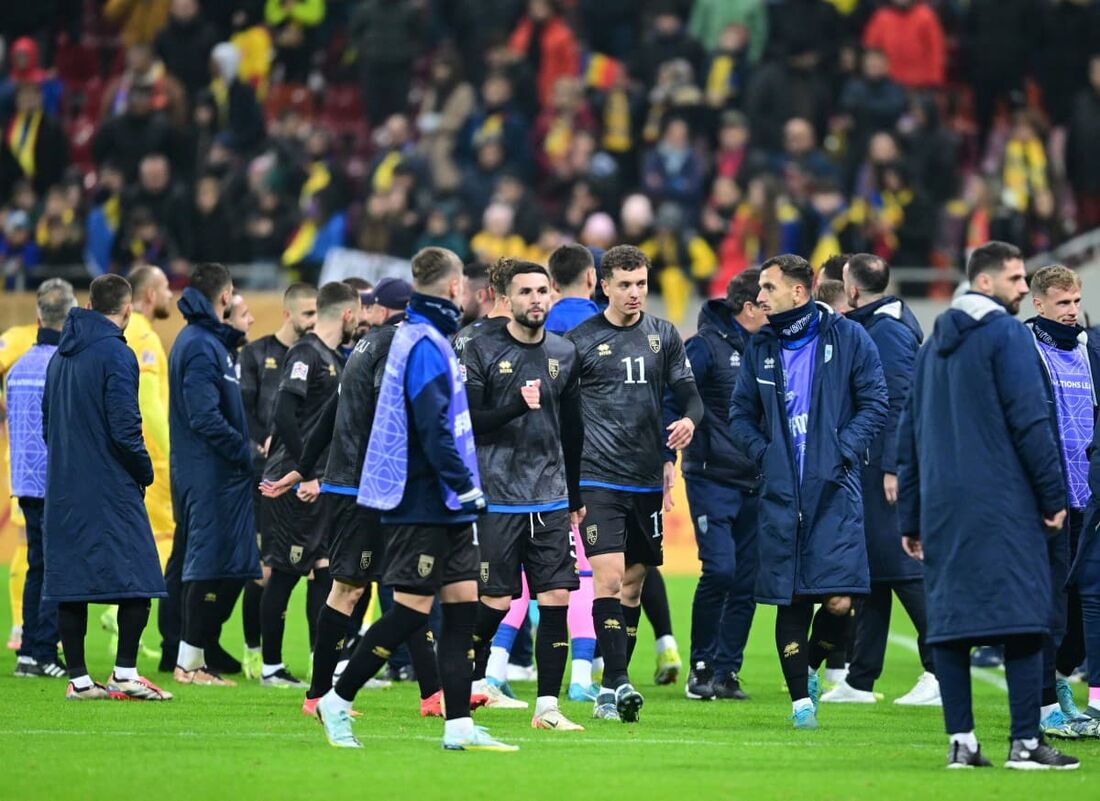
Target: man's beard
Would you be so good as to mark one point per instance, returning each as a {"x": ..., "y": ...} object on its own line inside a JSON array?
[
  {"x": 301, "y": 332},
  {"x": 161, "y": 313},
  {"x": 527, "y": 322},
  {"x": 469, "y": 315}
]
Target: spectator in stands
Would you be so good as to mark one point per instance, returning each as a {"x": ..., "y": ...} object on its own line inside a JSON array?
[
  {"x": 672, "y": 171},
  {"x": 800, "y": 152},
  {"x": 143, "y": 67},
  {"x": 871, "y": 102},
  {"x": 395, "y": 146},
  {"x": 143, "y": 241},
  {"x": 1070, "y": 31},
  {"x": 1082, "y": 153},
  {"x": 138, "y": 21},
  {"x": 794, "y": 86},
  {"x": 668, "y": 40},
  {"x": 612, "y": 26},
  {"x": 728, "y": 69},
  {"x": 496, "y": 119},
  {"x": 323, "y": 228},
  {"x": 764, "y": 222},
  {"x": 439, "y": 233},
  {"x": 544, "y": 40},
  {"x": 681, "y": 260},
  {"x": 795, "y": 26},
  {"x": 480, "y": 180},
  {"x": 19, "y": 256},
  {"x": 675, "y": 94},
  {"x": 184, "y": 45},
  {"x": 34, "y": 146},
  {"x": 387, "y": 37},
  {"x": 931, "y": 150},
  {"x": 496, "y": 239},
  {"x": 268, "y": 224},
  {"x": 998, "y": 42},
  {"x": 565, "y": 114},
  {"x": 911, "y": 36},
  {"x": 444, "y": 111},
  {"x": 293, "y": 25},
  {"x": 217, "y": 238},
  {"x": 735, "y": 158},
  {"x": 710, "y": 19},
  {"x": 127, "y": 139},
  {"x": 59, "y": 232},
  {"x": 104, "y": 218},
  {"x": 238, "y": 113},
  {"x": 1024, "y": 166}
]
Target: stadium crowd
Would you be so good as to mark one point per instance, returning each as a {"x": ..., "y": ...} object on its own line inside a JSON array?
[{"x": 710, "y": 133}]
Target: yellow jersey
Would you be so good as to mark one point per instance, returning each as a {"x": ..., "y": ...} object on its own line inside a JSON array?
[
  {"x": 153, "y": 402},
  {"x": 15, "y": 342}
]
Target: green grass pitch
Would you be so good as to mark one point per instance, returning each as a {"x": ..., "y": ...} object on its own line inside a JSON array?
[{"x": 252, "y": 743}]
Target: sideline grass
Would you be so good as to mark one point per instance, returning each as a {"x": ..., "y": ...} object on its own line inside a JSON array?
[{"x": 250, "y": 742}]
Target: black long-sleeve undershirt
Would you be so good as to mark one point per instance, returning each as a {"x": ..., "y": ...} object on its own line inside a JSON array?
[{"x": 286, "y": 425}]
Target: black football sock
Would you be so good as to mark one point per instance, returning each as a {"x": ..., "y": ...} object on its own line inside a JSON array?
[
  {"x": 317, "y": 591},
  {"x": 200, "y": 612},
  {"x": 655, "y": 603},
  {"x": 791, "y": 625},
  {"x": 551, "y": 649},
  {"x": 633, "y": 616},
  {"x": 273, "y": 607},
  {"x": 359, "y": 613},
  {"x": 422, "y": 655},
  {"x": 133, "y": 615},
  {"x": 250, "y": 613},
  {"x": 828, "y": 634},
  {"x": 488, "y": 621},
  {"x": 332, "y": 627},
  {"x": 389, "y": 631},
  {"x": 607, "y": 616},
  {"x": 72, "y": 624},
  {"x": 455, "y": 663}
]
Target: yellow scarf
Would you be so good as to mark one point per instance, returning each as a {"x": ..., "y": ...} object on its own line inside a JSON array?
[
  {"x": 22, "y": 137},
  {"x": 617, "y": 136},
  {"x": 319, "y": 177},
  {"x": 300, "y": 244},
  {"x": 112, "y": 211},
  {"x": 220, "y": 90},
  {"x": 718, "y": 81},
  {"x": 558, "y": 138},
  {"x": 42, "y": 228},
  {"x": 383, "y": 174},
  {"x": 1025, "y": 173}
]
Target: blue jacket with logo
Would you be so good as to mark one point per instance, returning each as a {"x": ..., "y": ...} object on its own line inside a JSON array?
[
  {"x": 97, "y": 539},
  {"x": 25, "y": 385},
  {"x": 715, "y": 353},
  {"x": 811, "y": 540},
  {"x": 897, "y": 335},
  {"x": 211, "y": 454},
  {"x": 978, "y": 468}
]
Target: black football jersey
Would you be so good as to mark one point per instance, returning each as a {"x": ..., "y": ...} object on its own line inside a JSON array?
[
  {"x": 521, "y": 464},
  {"x": 624, "y": 372},
  {"x": 261, "y": 365},
  {"x": 475, "y": 329},
  {"x": 311, "y": 370}
]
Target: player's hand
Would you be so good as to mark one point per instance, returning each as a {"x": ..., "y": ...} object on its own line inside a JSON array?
[
  {"x": 273, "y": 489},
  {"x": 680, "y": 433},
  {"x": 577, "y": 517},
  {"x": 890, "y": 487},
  {"x": 530, "y": 393},
  {"x": 668, "y": 483},
  {"x": 473, "y": 502},
  {"x": 309, "y": 491},
  {"x": 1054, "y": 524},
  {"x": 913, "y": 547}
]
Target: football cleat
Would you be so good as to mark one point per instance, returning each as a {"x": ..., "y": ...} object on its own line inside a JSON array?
[
  {"x": 959, "y": 756},
  {"x": 604, "y": 707},
  {"x": 813, "y": 685},
  {"x": 1056, "y": 724},
  {"x": 139, "y": 689},
  {"x": 700, "y": 683},
  {"x": 1065, "y": 700},
  {"x": 337, "y": 725},
  {"x": 804, "y": 718},
  {"x": 628, "y": 702},
  {"x": 1042, "y": 757},
  {"x": 478, "y": 739},
  {"x": 844, "y": 693},
  {"x": 926, "y": 692},
  {"x": 554, "y": 720},
  {"x": 282, "y": 678},
  {"x": 30, "y": 668},
  {"x": 497, "y": 698},
  {"x": 668, "y": 667},
  {"x": 578, "y": 692},
  {"x": 201, "y": 677},
  {"x": 97, "y": 692},
  {"x": 730, "y": 688},
  {"x": 252, "y": 664}
]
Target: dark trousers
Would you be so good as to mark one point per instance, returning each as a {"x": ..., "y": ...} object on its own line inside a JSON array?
[
  {"x": 1058, "y": 551},
  {"x": 722, "y": 610},
  {"x": 873, "y": 629},
  {"x": 1023, "y": 673},
  {"x": 170, "y": 609},
  {"x": 39, "y": 617}
]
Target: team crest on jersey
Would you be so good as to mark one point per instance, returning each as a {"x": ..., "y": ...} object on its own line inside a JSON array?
[
  {"x": 828, "y": 353},
  {"x": 769, "y": 363},
  {"x": 590, "y": 534},
  {"x": 603, "y": 349},
  {"x": 332, "y": 370},
  {"x": 505, "y": 367},
  {"x": 702, "y": 523},
  {"x": 484, "y": 572},
  {"x": 654, "y": 343},
  {"x": 553, "y": 367},
  {"x": 364, "y": 559},
  {"x": 270, "y": 363},
  {"x": 148, "y": 357},
  {"x": 424, "y": 565},
  {"x": 296, "y": 554},
  {"x": 299, "y": 371},
  {"x": 735, "y": 359}
]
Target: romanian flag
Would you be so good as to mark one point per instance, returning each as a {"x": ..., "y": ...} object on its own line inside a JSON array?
[{"x": 600, "y": 71}]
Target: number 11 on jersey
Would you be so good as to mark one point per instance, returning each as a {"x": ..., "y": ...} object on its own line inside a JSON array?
[{"x": 630, "y": 362}]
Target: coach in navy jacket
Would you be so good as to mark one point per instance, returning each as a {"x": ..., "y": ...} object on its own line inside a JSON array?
[
  {"x": 99, "y": 545},
  {"x": 811, "y": 540},
  {"x": 980, "y": 488}
]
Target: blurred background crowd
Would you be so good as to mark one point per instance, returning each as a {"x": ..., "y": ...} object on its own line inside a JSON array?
[{"x": 711, "y": 133}]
